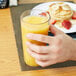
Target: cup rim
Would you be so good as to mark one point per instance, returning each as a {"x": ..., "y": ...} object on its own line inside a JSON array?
[{"x": 21, "y": 17}]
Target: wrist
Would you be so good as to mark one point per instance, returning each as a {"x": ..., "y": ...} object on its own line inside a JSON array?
[{"x": 74, "y": 51}]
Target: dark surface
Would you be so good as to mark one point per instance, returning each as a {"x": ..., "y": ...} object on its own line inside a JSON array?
[{"x": 15, "y": 13}]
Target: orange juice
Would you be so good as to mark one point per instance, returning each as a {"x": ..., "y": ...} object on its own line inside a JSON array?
[{"x": 36, "y": 25}]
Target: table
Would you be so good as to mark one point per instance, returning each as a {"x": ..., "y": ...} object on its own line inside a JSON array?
[
  {"x": 9, "y": 62},
  {"x": 38, "y": 1}
]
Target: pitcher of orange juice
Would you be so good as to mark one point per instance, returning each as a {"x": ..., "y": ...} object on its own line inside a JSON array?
[{"x": 36, "y": 24}]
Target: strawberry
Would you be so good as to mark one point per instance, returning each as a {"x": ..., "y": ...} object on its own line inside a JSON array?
[
  {"x": 74, "y": 15},
  {"x": 52, "y": 21},
  {"x": 47, "y": 12},
  {"x": 66, "y": 24},
  {"x": 43, "y": 14}
]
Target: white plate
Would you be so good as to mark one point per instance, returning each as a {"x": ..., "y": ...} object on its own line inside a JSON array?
[{"x": 45, "y": 6}]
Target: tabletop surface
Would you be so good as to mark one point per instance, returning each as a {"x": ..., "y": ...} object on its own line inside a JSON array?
[
  {"x": 38, "y": 1},
  {"x": 9, "y": 62}
]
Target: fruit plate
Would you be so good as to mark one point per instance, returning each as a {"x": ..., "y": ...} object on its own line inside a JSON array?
[{"x": 44, "y": 7}]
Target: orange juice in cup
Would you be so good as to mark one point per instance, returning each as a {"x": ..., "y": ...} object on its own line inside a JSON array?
[{"x": 32, "y": 24}]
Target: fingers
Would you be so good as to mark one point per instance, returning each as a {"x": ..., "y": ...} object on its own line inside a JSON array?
[
  {"x": 54, "y": 30},
  {"x": 38, "y": 49},
  {"x": 39, "y": 37},
  {"x": 38, "y": 56},
  {"x": 45, "y": 63},
  {"x": 44, "y": 59}
]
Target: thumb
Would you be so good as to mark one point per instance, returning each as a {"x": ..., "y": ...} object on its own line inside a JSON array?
[{"x": 54, "y": 30}]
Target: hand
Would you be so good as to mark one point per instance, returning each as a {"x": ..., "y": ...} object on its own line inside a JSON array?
[{"x": 61, "y": 48}]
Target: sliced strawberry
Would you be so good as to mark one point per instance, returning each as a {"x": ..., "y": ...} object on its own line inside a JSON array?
[
  {"x": 74, "y": 15},
  {"x": 66, "y": 24},
  {"x": 47, "y": 12},
  {"x": 52, "y": 21},
  {"x": 43, "y": 14}
]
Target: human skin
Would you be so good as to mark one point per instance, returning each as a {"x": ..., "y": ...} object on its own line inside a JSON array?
[{"x": 61, "y": 48}]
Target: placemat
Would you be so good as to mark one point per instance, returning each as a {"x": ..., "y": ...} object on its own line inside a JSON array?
[{"x": 15, "y": 13}]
